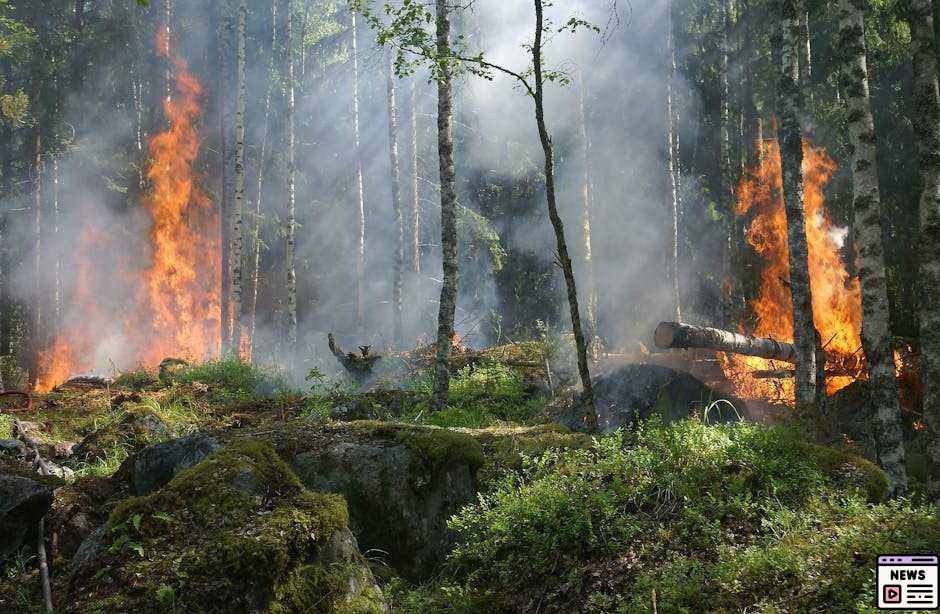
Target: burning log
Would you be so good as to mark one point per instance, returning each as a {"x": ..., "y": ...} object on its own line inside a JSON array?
[{"x": 673, "y": 335}]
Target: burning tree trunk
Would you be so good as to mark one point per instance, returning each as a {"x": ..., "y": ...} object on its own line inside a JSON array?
[
  {"x": 360, "y": 202},
  {"x": 415, "y": 194},
  {"x": 790, "y": 135},
  {"x": 445, "y": 150},
  {"x": 926, "y": 118},
  {"x": 396, "y": 204},
  {"x": 671, "y": 169},
  {"x": 291, "y": 196},
  {"x": 876, "y": 334},
  {"x": 237, "y": 231},
  {"x": 256, "y": 233},
  {"x": 586, "y": 196}
]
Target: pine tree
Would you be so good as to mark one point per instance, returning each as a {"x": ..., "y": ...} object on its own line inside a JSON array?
[{"x": 291, "y": 192}]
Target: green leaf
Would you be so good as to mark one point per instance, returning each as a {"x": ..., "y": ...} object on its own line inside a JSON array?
[{"x": 135, "y": 520}]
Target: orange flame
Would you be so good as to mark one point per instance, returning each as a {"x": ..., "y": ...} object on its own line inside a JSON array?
[
  {"x": 174, "y": 305},
  {"x": 836, "y": 294}
]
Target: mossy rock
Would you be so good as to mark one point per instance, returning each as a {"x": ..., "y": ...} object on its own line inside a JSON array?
[
  {"x": 401, "y": 483},
  {"x": 137, "y": 428},
  {"x": 24, "y": 499},
  {"x": 847, "y": 469},
  {"x": 237, "y": 532},
  {"x": 506, "y": 447}
]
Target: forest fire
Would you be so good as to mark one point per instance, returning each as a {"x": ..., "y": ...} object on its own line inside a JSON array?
[
  {"x": 174, "y": 297},
  {"x": 836, "y": 295}
]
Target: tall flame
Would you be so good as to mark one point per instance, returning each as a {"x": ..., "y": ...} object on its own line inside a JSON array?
[
  {"x": 173, "y": 306},
  {"x": 836, "y": 294},
  {"x": 181, "y": 288}
]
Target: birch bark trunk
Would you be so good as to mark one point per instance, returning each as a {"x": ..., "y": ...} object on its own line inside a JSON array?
[
  {"x": 876, "y": 333},
  {"x": 445, "y": 149},
  {"x": 237, "y": 230},
  {"x": 926, "y": 119},
  {"x": 360, "y": 201}
]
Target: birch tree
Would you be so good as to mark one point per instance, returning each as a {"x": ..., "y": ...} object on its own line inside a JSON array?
[
  {"x": 259, "y": 210},
  {"x": 926, "y": 119},
  {"x": 790, "y": 136},
  {"x": 671, "y": 170},
  {"x": 237, "y": 230},
  {"x": 415, "y": 194},
  {"x": 876, "y": 335},
  {"x": 291, "y": 191},
  {"x": 395, "y": 167},
  {"x": 360, "y": 202},
  {"x": 224, "y": 213},
  {"x": 586, "y": 197}
]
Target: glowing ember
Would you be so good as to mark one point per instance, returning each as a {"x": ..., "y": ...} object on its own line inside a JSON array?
[
  {"x": 172, "y": 306},
  {"x": 836, "y": 295}
]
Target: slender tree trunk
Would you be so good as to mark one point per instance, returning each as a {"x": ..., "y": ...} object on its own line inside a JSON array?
[
  {"x": 806, "y": 52},
  {"x": 57, "y": 281},
  {"x": 360, "y": 200},
  {"x": 876, "y": 335},
  {"x": 586, "y": 196},
  {"x": 415, "y": 194},
  {"x": 790, "y": 135},
  {"x": 291, "y": 212},
  {"x": 563, "y": 257},
  {"x": 256, "y": 234},
  {"x": 753, "y": 125},
  {"x": 225, "y": 221},
  {"x": 671, "y": 169},
  {"x": 168, "y": 30},
  {"x": 725, "y": 181},
  {"x": 38, "y": 170},
  {"x": 926, "y": 118},
  {"x": 445, "y": 150},
  {"x": 237, "y": 230},
  {"x": 396, "y": 204}
]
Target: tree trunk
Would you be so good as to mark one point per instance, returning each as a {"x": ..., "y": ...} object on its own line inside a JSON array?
[
  {"x": 237, "y": 230},
  {"x": 445, "y": 151},
  {"x": 291, "y": 196},
  {"x": 396, "y": 204},
  {"x": 671, "y": 169},
  {"x": 360, "y": 200},
  {"x": 557, "y": 225},
  {"x": 415, "y": 194},
  {"x": 790, "y": 135},
  {"x": 586, "y": 196},
  {"x": 674, "y": 335},
  {"x": 876, "y": 334},
  {"x": 224, "y": 213},
  {"x": 168, "y": 31},
  {"x": 806, "y": 51},
  {"x": 926, "y": 118},
  {"x": 725, "y": 182},
  {"x": 57, "y": 281},
  {"x": 38, "y": 171},
  {"x": 256, "y": 233}
]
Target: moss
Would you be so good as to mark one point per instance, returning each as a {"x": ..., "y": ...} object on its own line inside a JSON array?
[
  {"x": 224, "y": 535},
  {"x": 317, "y": 588},
  {"x": 140, "y": 379},
  {"x": 437, "y": 448},
  {"x": 22, "y": 469},
  {"x": 849, "y": 469},
  {"x": 505, "y": 448}
]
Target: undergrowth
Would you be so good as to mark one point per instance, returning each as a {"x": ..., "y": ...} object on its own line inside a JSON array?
[
  {"x": 713, "y": 518},
  {"x": 232, "y": 379}
]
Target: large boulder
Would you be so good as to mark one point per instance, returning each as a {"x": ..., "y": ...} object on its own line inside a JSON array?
[
  {"x": 401, "y": 483},
  {"x": 237, "y": 532},
  {"x": 25, "y": 498},
  {"x": 158, "y": 464},
  {"x": 636, "y": 392}
]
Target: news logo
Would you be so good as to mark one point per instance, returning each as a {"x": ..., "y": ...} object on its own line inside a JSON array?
[{"x": 908, "y": 582}]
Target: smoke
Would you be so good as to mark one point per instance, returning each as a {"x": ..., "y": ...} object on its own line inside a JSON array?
[{"x": 103, "y": 230}]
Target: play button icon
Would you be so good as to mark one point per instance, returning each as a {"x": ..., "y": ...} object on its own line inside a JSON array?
[{"x": 892, "y": 593}]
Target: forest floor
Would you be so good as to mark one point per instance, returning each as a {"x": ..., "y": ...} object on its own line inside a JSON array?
[{"x": 216, "y": 487}]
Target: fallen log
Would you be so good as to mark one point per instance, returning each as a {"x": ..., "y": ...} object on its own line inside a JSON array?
[{"x": 674, "y": 335}]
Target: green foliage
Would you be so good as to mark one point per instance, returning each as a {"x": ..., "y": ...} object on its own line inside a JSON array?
[
  {"x": 480, "y": 395},
  {"x": 232, "y": 379},
  {"x": 740, "y": 513},
  {"x": 138, "y": 379}
]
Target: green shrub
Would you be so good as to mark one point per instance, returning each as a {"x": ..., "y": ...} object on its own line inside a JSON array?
[
  {"x": 231, "y": 379},
  {"x": 741, "y": 514},
  {"x": 139, "y": 379},
  {"x": 479, "y": 396}
]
